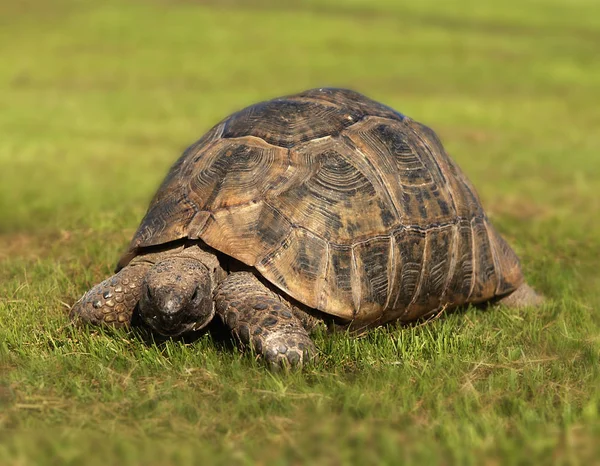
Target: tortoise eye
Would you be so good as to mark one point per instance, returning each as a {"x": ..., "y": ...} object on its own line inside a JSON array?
[
  {"x": 195, "y": 295},
  {"x": 148, "y": 293}
]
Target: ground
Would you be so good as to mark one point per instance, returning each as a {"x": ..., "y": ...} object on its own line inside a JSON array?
[{"x": 99, "y": 98}]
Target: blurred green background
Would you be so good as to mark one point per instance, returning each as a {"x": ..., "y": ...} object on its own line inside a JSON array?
[{"x": 98, "y": 98}]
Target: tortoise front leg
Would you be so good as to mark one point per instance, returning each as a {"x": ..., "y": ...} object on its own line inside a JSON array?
[
  {"x": 112, "y": 301},
  {"x": 261, "y": 320}
]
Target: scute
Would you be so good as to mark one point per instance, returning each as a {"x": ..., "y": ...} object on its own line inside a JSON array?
[
  {"x": 325, "y": 199},
  {"x": 343, "y": 203},
  {"x": 292, "y": 120}
]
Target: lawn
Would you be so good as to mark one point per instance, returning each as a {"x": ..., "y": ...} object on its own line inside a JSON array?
[{"x": 98, "y": 98}]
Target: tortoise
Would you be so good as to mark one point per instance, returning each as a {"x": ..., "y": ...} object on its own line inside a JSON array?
[{"x": 323, "y": 206}]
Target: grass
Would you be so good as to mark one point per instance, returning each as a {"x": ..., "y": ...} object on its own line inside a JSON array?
[{"x": 99, "y": 98}]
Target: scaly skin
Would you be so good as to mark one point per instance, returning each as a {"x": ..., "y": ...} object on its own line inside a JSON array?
[
  {"x": 112, "y": 301},
  {"x": 263, "y": 321}
]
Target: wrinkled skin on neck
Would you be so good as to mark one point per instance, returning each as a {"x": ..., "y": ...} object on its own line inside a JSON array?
[{"x": 177, "y": 296}]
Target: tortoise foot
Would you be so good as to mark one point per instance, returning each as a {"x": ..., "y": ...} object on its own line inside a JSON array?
[
  {"x": 524, "y": 296},
  {"x": 263, "y": 322}
]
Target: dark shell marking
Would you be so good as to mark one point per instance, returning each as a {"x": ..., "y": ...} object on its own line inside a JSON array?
[{"x": 344, "y": 204}]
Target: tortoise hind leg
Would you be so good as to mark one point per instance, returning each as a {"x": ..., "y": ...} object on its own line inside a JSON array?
[
  {"x": 112, "y": 301},
  {"x": 261, "y": 320},
  {"x": 524, "y": 296}
]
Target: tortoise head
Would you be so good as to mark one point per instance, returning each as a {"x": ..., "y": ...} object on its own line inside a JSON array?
[{"x": 177, "y": 296}]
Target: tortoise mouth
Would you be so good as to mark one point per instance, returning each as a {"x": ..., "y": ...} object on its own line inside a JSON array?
[{"x": 170, "y": 326}]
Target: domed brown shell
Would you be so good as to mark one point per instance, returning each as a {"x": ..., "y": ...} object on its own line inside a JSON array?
[{"x": 341, "y": 202}]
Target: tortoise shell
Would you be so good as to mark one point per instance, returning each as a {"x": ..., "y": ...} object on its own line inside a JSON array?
[{"x": 341, "y": 202}]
